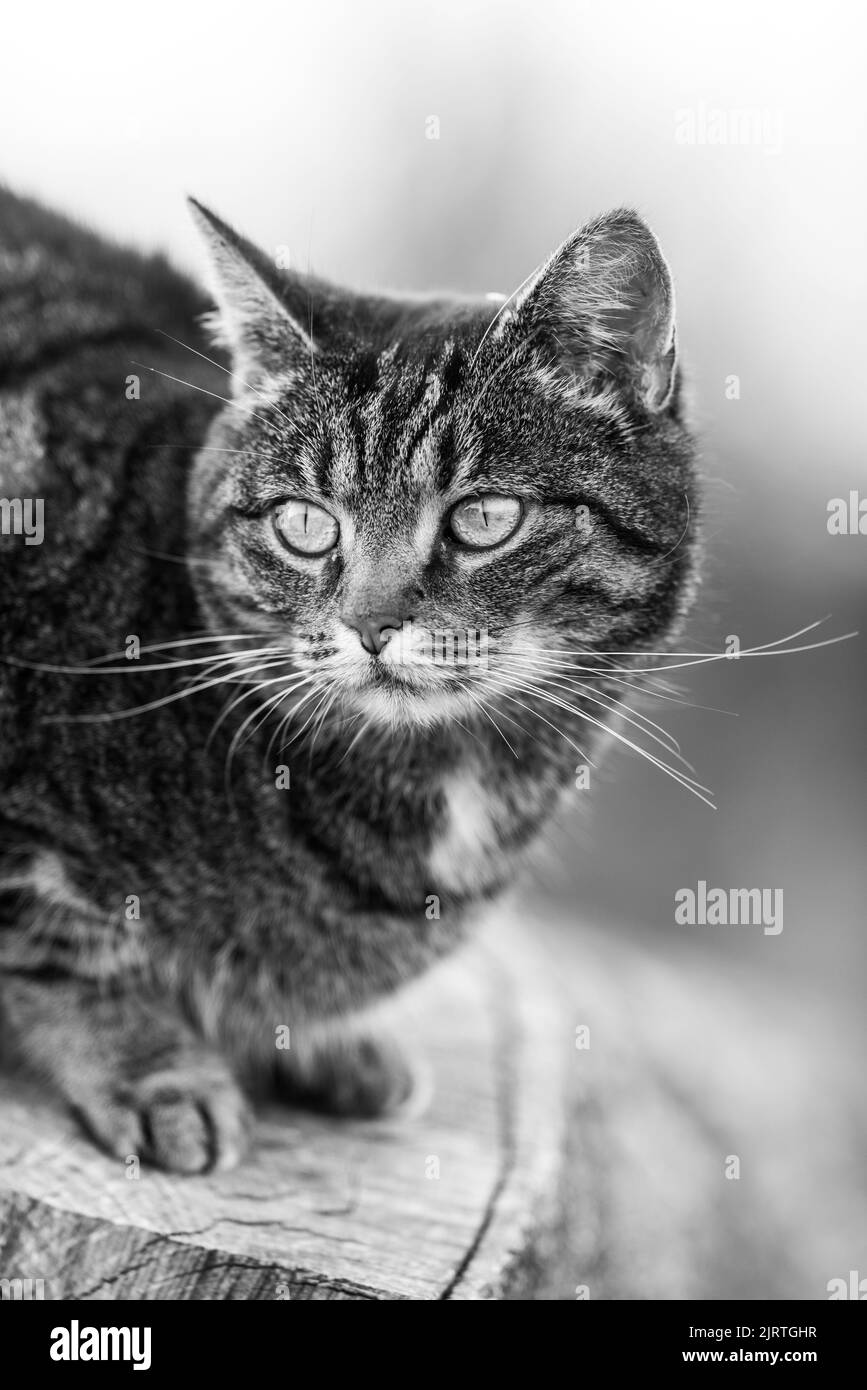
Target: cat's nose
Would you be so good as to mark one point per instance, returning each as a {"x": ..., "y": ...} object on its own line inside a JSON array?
[{"x": 374, "y": 629}]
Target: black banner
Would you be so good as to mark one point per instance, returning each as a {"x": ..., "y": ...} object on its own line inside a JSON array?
[{"x": 159, "y": 1338}]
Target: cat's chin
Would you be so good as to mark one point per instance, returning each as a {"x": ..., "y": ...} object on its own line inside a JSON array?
[{"x": 408, "y": 707}]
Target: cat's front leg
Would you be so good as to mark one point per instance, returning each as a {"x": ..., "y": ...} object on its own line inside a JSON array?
[
  {"x": 136, "y": 1075},
  {"x": 344, "y": 1071}
]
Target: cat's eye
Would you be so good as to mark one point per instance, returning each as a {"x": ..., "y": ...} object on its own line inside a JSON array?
[
  {"x": 481, "y": 522},
  {"x": 306, "y": 528}
]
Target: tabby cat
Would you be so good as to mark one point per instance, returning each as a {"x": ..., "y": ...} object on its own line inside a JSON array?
[{"x": 332, "y": 597}]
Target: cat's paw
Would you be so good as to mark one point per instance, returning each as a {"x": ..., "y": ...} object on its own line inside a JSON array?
[
  {"x": 359, "y": 1075},
  {"x": 189, "y": 1119}
]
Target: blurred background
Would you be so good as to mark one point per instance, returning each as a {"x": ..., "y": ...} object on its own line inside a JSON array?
[{"x": 453, "y": 146}]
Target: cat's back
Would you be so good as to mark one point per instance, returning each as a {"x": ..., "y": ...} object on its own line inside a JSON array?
[
  {"x": 97, "y": 428},
  {"x": 86, "y": 361},
  {"x": 63, "y": 287}
]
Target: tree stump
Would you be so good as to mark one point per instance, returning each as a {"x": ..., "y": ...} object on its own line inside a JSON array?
[{"x": 458, "y": 1203}]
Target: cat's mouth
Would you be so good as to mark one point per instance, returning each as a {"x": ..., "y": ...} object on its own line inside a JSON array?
[
  {"x": 380, "y": 674},
  {"x": 404, "y": 695},
  {"x": 418, "y": 678},
  {"x": 405, "y": 683}
]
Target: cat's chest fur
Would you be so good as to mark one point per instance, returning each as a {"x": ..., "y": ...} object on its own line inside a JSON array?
[
  {"x": 358, "y": 885},
  {"x": 438, "y": 819},
  {"x": 467, "y": 853}
]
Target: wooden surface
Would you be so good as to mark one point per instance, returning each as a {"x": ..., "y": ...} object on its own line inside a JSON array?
[
  {"x": 694, "y": 1058},
  {"x": 328, "y": 1209}
]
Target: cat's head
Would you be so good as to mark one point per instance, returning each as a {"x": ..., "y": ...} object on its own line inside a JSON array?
[{"x": 423, "y": 499}]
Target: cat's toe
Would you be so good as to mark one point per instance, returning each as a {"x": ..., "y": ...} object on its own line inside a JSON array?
[
  {"x": 380, "y": 1080},
  {"x": 185, "y": 1121},
  {"x": 114, "y": 1126},
  {"x": 361, "y": 1077},
  {"x": 192, "y": 1123}
]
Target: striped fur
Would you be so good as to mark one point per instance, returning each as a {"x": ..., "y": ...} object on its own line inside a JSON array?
[{"x": 417, "y": 788}]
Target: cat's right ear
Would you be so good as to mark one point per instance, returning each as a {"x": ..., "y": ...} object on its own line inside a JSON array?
[{"x": 252, "y": 318}]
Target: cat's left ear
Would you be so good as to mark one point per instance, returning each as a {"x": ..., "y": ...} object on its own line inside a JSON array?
[
  {"x": 603, "y": 307},
  {"x": 253, "y": 319}
]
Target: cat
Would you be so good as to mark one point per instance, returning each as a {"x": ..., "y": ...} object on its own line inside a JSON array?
[{"x": 249, "y": 782}]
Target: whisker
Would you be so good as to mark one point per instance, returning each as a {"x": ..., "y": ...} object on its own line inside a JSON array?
[
  {"x": 213, "y": 394},
  {"x": 131, "y": 668},
  {"x": 665, "y": 741},
  {"x": 689, "y": 782},
  {"x": 642, "y": 689},
  {"x": 262, "y": 710},
  {"x": 217, "y": 449},
  {"x": 116, "y": 715},
  {"x": 362, "y": 730},
  {"x": 662, "y": 736},
  {"x": 233, "y": 704},
  {"x": 320, "y": 722},
  {"x": 316, "y": 689},
  {"x": 775, "y": 648},
  {"x": 480, "y": 704},
  {"x": 659, "y": 559},
  {"x": 188, "y": 642},
  {"x": 308, "y": 721},
  {"x": 500, "y": 309},
  {"x": 282, "y": 724},
  {"x": 650, "y": 690},
  {"x": 232, "y": 374},
  {"x": 174, "y": 559},
  {"x": 537, "y": 715}
]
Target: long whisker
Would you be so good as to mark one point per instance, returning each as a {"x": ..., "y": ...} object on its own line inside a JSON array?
[
  {"x": 134, "y": 668},
  {"x": 642, "y": 689},
  {"x": 193, "y": 387},
  {"x": 94, "y": 667},
  {"x": 233, "y": 704},
  {"x": 501, "y": 309},
  {"x": 480, "y": 705},
  {"x": 282, "y": 724},
  {"x": 536, "y": 715},
  {"x": 650, "y": 690},
  {"x": 646, "y": 725},
  {"x": 666, "y": 741},
  {"x": 221, "y": 368},
  {"x": 659, "y": 559},
  {"x": 115, "y": 715},
  {"x": 309, "y": 720},
  {"x": 775, "y": 648},
  {"x": 689, "y": 782},
  {"x": 311, "y": 694},
  {"x": 175, "y": 559},
  {"x": 217, "y": 449},
  {"x": 667, "y": 651},
  {"x": 567, "y": 658},
  {"x": 363, "y": 727},
  {"x": 744, "y": 653},
  {"x": 187, "y": 642},
  {"x": 320, "y": 722},
  {"x": 261, "y": 710}
]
